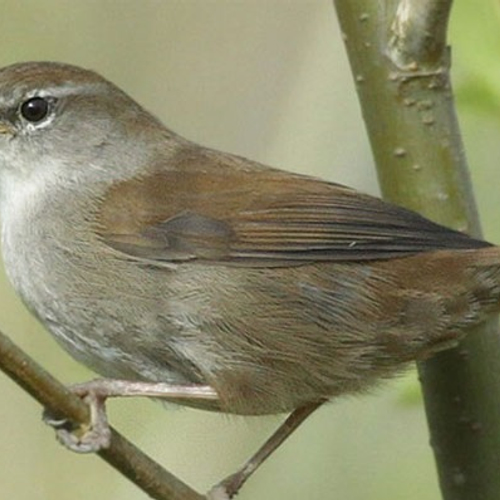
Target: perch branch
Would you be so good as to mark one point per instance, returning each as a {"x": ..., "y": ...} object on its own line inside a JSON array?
[{"x": 122, "y": 455}]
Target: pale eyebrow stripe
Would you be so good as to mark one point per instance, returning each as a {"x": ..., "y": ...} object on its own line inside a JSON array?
[
  {"x": 61, "y": 90},
  {"x": 66, "y": 89}
]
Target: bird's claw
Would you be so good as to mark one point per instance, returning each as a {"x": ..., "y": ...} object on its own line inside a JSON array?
[{"x": 83, "y": 438}]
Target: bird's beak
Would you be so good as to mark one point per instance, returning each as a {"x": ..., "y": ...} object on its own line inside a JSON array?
[{"x": 6, "y": 128}]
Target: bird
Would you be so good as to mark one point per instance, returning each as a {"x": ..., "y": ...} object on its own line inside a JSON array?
[{"x": 204, "y": 278}]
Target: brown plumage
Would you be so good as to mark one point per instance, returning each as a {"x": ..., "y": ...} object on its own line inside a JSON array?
[
  {"x": 241, "y": 288},
  {"x": 325, "y": 290},
  {"x": 152, "y": 258}
]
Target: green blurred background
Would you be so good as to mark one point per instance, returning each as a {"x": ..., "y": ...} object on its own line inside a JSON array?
[{"x": 267, "y": 79}]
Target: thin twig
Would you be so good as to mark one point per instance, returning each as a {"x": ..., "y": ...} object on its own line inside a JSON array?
[{"x": 122, "y": 454}]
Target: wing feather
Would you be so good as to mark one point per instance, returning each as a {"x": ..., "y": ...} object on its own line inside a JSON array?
[{"x": 223, "y": 209}]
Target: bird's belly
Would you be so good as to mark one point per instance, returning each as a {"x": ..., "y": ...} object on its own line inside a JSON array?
[{"x": 267, "y": 340}]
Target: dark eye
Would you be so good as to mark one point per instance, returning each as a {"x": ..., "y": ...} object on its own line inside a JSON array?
[{"x": 35, "y": 109}]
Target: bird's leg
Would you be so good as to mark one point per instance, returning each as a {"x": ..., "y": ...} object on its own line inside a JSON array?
[
  {"x": 230, "y": 486},
  {"x": 96, "y": 435}
]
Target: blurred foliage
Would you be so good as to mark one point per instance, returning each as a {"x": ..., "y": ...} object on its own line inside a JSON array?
[
  {"x": 475, "y": 41},
  {"x": 475, "y": 37}
]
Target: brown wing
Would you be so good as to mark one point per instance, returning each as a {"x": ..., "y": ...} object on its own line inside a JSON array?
[{"x": 223, "y": 209}]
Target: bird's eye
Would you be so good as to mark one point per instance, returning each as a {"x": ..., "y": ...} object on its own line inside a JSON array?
[{"x": 34, "y": 109}]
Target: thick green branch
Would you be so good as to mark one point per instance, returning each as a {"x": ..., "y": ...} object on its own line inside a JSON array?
[
  {"x": 398, "y": 55},
  {"x": 417, "y": 37}
]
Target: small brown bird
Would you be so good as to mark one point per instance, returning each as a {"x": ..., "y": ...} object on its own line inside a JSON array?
[{"x": 237, "y": 287}]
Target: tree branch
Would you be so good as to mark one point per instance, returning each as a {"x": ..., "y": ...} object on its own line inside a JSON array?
[
  {"x": 417, "y": 37},
  {"x": 122, "y": 455},
  {"x": 399, "y": 58}
]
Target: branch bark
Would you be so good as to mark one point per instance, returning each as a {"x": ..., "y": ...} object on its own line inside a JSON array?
[
  {"x": 400, "y": 62},
  {"x": 122, "y": 454}
]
